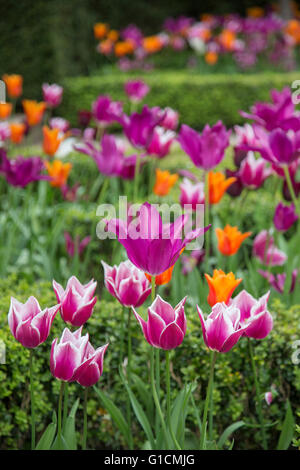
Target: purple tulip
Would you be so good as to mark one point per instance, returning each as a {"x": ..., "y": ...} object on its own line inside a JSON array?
[
  {"x": 171, "y": 118},
  {"x": 75, "y": 245},
  {"x": 255, "y": 318},
  {"x": 84, "y": 117},
  {"x": 151, "y": 245},
  {"x": 126, "y": 283},
  {"x": 21, "y": 171},
  {"x": 59, "y": 123},
  {"x": 206, "y": 150},
  {"x": 253, "y": 172},
  {"x": 192, "y": 194},
  {"x": 52, "y": 94},
  {"x": 284, "y": 217},
  {"x": 222, "y": 329},
  {"x": 28, "y": 323},
  {"x": 106, "y": 111},
  {"x": 278, "y": 281},
  {"x": 166, "y": 326},
  {"x": 266, "y": 251},
  {"x": 76, "y": 301},
  {"x": 161, "y": 142},
  {"x": 237, "y": 187},
  {"x": 139, "y": 127},
  {"x": 136, "y": 90},
  {"x": 70, "y": 193}
]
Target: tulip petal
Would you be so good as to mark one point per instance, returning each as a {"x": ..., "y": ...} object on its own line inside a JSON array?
[{"x": 171, "y": 337}]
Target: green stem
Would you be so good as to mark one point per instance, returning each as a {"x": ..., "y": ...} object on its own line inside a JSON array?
[
  {"x": 122, "y": 336},
  {"x": 61, "y": 393},
  {"x": 66, "y": 402},
  {"x": 291, "y": 188},
  {"x": 136, "y": 177},
  {"x": 84, "y": 437},
  {"x": 169, "y": 401},
  {"x": 32, "y": 400},
  {"x": 258, "y": 397},
  {"x": 206, "y": 220},
  {"x": 103, "y": 190},
  {"x": 129, "y": 356},
  {"x": 155, "y": 396},
  {"x": 208, "y": 402}
]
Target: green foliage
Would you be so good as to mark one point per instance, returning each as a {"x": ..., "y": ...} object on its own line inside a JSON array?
[
  {"x": 209, "y": 97},
  {"x": 234, "y": 394}
]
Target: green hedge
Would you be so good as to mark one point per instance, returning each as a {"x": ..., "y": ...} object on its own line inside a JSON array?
[
  {"x": 199, "y": 99},
  {"x": 234, "y": 393}
]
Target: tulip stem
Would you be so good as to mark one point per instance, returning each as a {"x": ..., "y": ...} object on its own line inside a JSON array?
[
  {"x": 169, "y": 401},
  {"x": 155, "y": 396},
  {"x": 32, "y": 400},
  {"x": 122, "y": 336},
  {"x": 84, "y": 437},
  {"x": 61, "y": 393},
  {"x": 136, "y": 177},
  {"x": 258, "y": 397},
  {"x": 103, "y": 190},
  {"x": 206, "y": 219},
  {"x": 157, "y": 359},
  {"x": 291, "y": 188},
  {"x": 208, "y": 399},
  {"x": 66, "y": 401},
  {"x": 129, "y": 355}
]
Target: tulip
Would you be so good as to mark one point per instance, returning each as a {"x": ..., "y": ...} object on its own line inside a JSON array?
[
  {"x": 230, "y": 239},
  {"x": 253, "y": 172},
  {"x": 139, "y": 127},
  {"x": 17, "y": 132},
  {"x": 284, "y": 217},
  {"x": 255, "y": 319},
  {"x": 208, "y": 149},
  {"x": 266, "y": 251},
  {"x": 278, "y": 281},
  {"x": 84, "y": 117},
  {"x": 123, "y": 48},
  {"x": 34, "y": 111},
  {"x": 221, "y": 286},
  {"x": 58, "y": 172},
  {"x": 170, "y": 120},
  {"x": 51, "y": 140},
  {"x": 191, "y": 194},
  {"x": 151, "y": 245},
  {"x": 268, "y": 398},
  {"x": 222, "y": 329},
  {"x": 5, "y": 110},
  {"x": 21, "y": 171},
  {"x": 161, "y": 142},
  {"x": 76, "y": 301},
  {"x": 163, "y": 278},
  {"x": 211, "y": 57},
  {"x": 76, "y": 245},
  {"x": 91, "y": 368},
  {"x": 136, "y": 90},
  {"x": 164, "y": 182},
  {"x": 70, "y": 193},
  {"x": 14, "y": 85},
  {"x": 236, "y": 188},
  {"x": 100, "y": 30},
  {"x": 218, "y": 184},
  {"x": 126, "y": 283},
  {"x": 28, "y": 323},
  {"x": 52, "y": 94},
  {"x": 59, "y": 123},
  {"x": 166, "y": 326},
  {"x": 106, "y": 111}
]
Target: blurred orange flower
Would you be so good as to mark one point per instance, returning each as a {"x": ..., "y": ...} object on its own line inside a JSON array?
[
  {"x": 59, "y": 172},
  {"x": 162, "y": 278},
  {"x": 51, "y": 140},
  {"x": 221, "y": 286},
  {"x": 14, "y": 85},
  {"x": 17, "y": 131},
  {"x": 255, "y": 12},
  {"x": 34, "y": 111},
  {"x": 5, "y": 110},
  {"x": 113, "y": 35},
  {"x": 100, "y": 30},
  {"x": 211, "y": 57},
  {"x": 152, "y": 44},
  {"x": 293, "y": 30},
  {"x": 230, "y": 239},
  {"x": 227, "y": 39},
  {"x": 218, "y": 185},
  {"x": 123, "y": 48},
  {"x": 105, "y": 47},
  {"x": 164, "y": 182}
]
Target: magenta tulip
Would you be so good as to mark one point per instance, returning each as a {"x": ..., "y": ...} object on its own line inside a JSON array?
[
  {"x": 75, "y": 245},
  {"x": 170, "y": 120},
  {"x": 28, "y": 323},
  {"x": 222, "y": 329},
  {"x": 265, "y": 250},
  {"x": 166, "y": 326},
  {"x": 91, "y": 368},
  {"x": 126, "y": 283},
  {"x": 161, "y": 142},
  {"x": 139, "y": 127},
  {"x": 256, "y": 320},
  {"x": 76, "y": 301},
  {"x": 278, "y": 281},
  {"x": 106, "y": 111},
  {"x": 191, "y": 194},
  {"x": 284, "y": 217},
  {"x": 52, "y": 94},
  {"x": 136, "y": 90},
  {"x": 253, "y": 172}
]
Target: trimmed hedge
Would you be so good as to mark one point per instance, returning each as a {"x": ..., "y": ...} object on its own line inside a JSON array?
[
  {"x": 199, "y": 99},
  {"x": 233, "y": 395}
]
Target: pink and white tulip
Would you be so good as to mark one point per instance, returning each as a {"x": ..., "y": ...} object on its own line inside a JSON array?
[
  {"x": 126, "y": 283},
  {"x": 76, "y": 301},
  {"x": 52, "y": 94},
  {"x": 29, "y": 324},
  {"x": 166, "y": 326},
  {"x": 253, "y": 172},
  {"x": 170, "y": 120},
  {"x": 192, "y": 194}
]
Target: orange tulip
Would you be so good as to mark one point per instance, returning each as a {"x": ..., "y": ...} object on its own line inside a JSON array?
[
  {"x": 211, "y": 57},
  {"x": 100, "y": 30},
  {"x": 59, "y": 172},
  {"x": 218, "y": 185},
  {"x": 14, "y": 85},
  {"x": 230, "y": 239},
  {"x": 164, "y": 182},
  {"x": 123, "y": 48},
  {"x": 17, "y": 131},
  {"x": 5, "y": 110},
  {"x": 293, "y": 30},
  {"x": 255, "y": 12},
  {"x": 221, "y": 286},
  {"x": 152, "y": 44},
  {"x": 162, "y": 278},
  {"x": 51, "y": 140},
  {"x": 227, "y": 39},
  {"x": 113, "y": 35},
  {"x": 34, "y": 111}
]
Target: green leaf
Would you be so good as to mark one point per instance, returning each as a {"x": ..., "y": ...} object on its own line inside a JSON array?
[
  {"x": 228, "y": 431},
  {"x": 69, "y": 431},
  {"x": 179, "y": 412},
  {"x": 115, "y": 413},
  {"x": 143, "y": 392},
  {"x": 139, "y": 412},
  {"x": 46, "y": 439},
  {"x": 287, "y": 431},
  {"x": 60, "y": 444}
]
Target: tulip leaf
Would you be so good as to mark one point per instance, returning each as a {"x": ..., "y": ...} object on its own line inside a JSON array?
[
  {"x": 139, "y": 412},
  {"x": 144, "y": 395},
  {"x": 69, "y": 431},
  {"x": 228, "y": 431},
  {"x": 179, "y": 412},
  {"x": 287, "y": 431},
  {"x": 114, "y": 413},
  {"x": 47, "y": 437},
  {"x": 60, "y": 444}
]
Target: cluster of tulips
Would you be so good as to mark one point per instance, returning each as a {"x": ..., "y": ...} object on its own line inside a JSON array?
[{"x": 262, "y": 33}]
